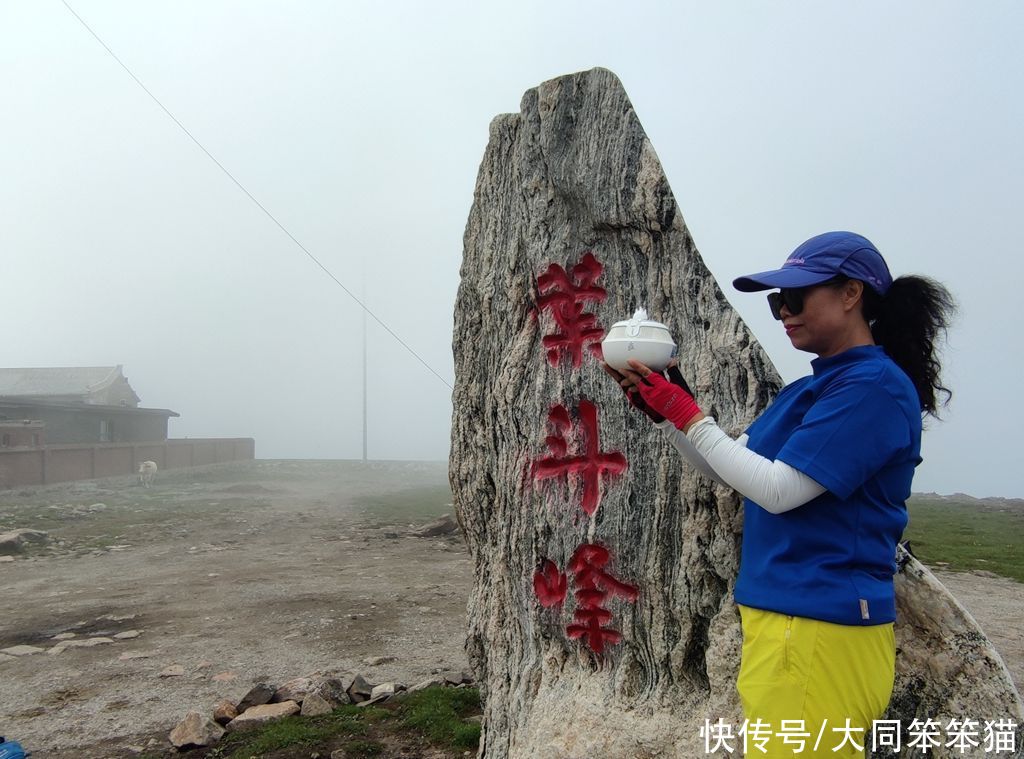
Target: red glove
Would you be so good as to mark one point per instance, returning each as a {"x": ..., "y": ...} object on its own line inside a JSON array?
[
  {"x": 637, "y": 402},
  {"x": 668, "y": 399}
]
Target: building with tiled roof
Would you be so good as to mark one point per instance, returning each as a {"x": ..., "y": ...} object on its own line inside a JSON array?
[{"x": 91, "y": 404}]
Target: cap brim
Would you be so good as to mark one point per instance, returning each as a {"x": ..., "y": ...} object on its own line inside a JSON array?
[{"x": 785, "y": 277}]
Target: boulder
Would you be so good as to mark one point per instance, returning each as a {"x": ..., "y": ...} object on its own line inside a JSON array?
[
  {"x": 314, "y": 705},
  {"x": 445, "y": 525},
  {"x": 258, "y": 715},
  {"x": 293, "y": 690},
  {"x": 333, "y": 690},
  {"x": 195, "y": 731},
  {"x": 224, "y": 711},
  {"x": 360, "y": 690},
  {"x": 14, "y": 541},
  {"x": 384, "y": 689},
  {"x": 259, "y": 694},
  {"x": 458, "y": 678}
]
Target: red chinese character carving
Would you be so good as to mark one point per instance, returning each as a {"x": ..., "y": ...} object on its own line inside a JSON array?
[
  {"x": 588, "y": 574},
  {"x": 566, "y": 297},
  {"x": 549, "y": 584},
  {"x": 594, "y": 586},
  {"x": 591, "y": 464}
]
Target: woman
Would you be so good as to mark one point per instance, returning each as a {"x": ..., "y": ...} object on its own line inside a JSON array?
[{"x": 825, "y": 471}]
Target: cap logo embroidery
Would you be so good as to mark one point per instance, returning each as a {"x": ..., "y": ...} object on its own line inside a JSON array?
[{"x": 794, "y": 261}]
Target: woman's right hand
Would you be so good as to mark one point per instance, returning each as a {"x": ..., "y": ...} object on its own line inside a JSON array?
[{"x": 633, "y": 395}]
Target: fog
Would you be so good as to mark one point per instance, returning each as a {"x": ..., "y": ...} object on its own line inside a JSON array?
[{"x": 360, "y": 126}]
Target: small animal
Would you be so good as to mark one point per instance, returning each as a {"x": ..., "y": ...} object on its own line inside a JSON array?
[{"x": 147, "y": 471}]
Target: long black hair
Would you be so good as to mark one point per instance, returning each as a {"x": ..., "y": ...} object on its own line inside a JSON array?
[{"x": 908, "y": 322}]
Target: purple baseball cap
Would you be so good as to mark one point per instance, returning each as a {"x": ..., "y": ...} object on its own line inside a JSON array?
[{"x": 821, "y": 258}]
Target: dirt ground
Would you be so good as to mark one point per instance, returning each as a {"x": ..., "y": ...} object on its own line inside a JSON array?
[
  {"x": 263, "y": 570},
  {"x": 997, "y": 604},
  {"x": 249, "y": 571}
]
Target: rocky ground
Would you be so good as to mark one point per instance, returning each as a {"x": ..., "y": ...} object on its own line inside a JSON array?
[
  {"x": 144, "y": 604},
  {"x": 212, "y": 580},
  {"x": 997, "y": 603}
]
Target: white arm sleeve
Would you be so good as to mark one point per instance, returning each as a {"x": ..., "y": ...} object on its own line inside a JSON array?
[
  {"x": 773, "y": 485},
  {"x": 688, "y": 452}
]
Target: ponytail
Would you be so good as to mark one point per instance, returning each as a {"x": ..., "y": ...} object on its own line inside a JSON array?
[{"x": 907, "y": 321}]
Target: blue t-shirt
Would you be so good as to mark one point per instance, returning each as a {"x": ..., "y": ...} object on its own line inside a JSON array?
[{"x": 854, "y": 426}]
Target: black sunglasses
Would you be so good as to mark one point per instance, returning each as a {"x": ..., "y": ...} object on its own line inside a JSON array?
[{"x": 793, "y": 297}]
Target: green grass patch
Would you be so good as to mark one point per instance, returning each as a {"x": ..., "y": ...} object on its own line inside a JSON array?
[
  {"x": 363, "y": 748},
  {"x": 290, "y": 731},
  {"x": 966, "y": 535},
  {"x": 438, "y": 713},
  {"x": 297, "y": 731}
]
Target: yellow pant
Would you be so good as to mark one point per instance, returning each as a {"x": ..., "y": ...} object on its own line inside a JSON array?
[{"x": 814, "y": 676}]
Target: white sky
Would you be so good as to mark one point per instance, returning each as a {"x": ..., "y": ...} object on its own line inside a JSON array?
[{"x": 361, "y": 125}]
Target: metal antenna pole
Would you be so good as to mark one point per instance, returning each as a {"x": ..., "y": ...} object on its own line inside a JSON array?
[{"x": 364, "y": 362}]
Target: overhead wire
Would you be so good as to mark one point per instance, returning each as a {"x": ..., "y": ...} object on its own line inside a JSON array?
[{"x": 251, "y": 197}]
